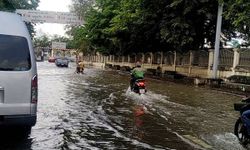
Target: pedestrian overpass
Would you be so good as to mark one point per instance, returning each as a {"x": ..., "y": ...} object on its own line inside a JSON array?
[
  {"x": 37, "y": 16},
  {"x": 58, "y": 49},
  {"x": 42, "y": 53}
]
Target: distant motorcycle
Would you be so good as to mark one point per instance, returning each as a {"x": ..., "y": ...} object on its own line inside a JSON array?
[
  {"x": 139, "y": 86},
  {"x": 240, "y": 128},
  {"x": 79, "y": 70},
  {"x": 80, "y": 67}
]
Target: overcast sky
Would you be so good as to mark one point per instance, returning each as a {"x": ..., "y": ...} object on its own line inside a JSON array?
[{"x": 52, "y": 5}]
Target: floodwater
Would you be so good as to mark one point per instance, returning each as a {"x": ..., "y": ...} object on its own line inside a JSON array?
[{"x": 96, "y": 110}]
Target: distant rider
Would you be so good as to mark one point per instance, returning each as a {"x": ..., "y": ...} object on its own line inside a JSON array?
[
  {"x": 80, "y": 67},
  {"x": 136, "y": 73}
]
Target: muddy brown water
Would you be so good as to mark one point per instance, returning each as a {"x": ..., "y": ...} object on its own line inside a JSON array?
[{"x": 97, "y": 110}]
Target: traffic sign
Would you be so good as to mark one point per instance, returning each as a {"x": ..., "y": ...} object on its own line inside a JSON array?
[
  {"x": 58, "y": 45},
  {"x": 37, "y": 16}
]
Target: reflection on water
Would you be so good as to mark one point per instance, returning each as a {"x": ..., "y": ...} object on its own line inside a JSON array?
[{"x": 97, "y": 110}]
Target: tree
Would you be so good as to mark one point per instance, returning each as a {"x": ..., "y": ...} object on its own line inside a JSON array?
[
  {"x": 12, "y": 5},
  {"x": 237, "y": 13},
  {"x": 122, "y": 26},
  {"x": 5, "y": 5},
  {"x": 42, "y": 41},
  {"x": 46, "y": 41},
  {"x": 81, "y": 7},
  {"x": 97, "y": 15}
]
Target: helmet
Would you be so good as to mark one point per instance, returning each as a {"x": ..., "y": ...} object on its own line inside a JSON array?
[{"x": 138, "y": 64}]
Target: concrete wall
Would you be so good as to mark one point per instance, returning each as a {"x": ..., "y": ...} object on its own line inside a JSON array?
[{"x": 193, "y": 63}]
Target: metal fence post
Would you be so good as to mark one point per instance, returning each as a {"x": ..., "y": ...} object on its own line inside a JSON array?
[
  {"x": 190, "y": 62},
  {"x": 175, "y": 59},
  {"x": 210, "y": 61},
  {"x": 161, "y": 59},
  {"x": 236, "y": 59},
  {"x": 151, "y": 62}
]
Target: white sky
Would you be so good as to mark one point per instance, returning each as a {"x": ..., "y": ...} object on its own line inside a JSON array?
[{"x": 52, "y": 5}]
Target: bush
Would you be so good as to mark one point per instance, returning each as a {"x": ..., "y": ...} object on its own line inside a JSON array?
[{"x": 239, "y": 79}]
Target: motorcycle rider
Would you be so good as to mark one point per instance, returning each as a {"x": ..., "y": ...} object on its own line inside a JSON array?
[
  {"x": 246, "y": 114},
  {"x": 136, "y": 73},
  {"x": 246, "y": 120},
  {"x": 80, "y": 67}
]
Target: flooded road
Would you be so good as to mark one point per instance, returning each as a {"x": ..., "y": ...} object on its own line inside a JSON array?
[{"x": 96, "y": 110}]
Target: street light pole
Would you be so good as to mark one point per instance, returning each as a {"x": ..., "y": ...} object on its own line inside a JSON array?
[{"x": 217, "y": 41}]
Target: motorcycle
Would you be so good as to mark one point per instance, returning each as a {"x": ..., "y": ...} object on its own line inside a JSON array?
[
  {"x": 240, "y": 127},
  {"x": 139, "y": 86},
  {"x": 79, "y": 70}
]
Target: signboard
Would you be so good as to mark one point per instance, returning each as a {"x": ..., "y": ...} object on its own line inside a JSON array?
[
  {"x": 37, "y": 16},
  {"x": 58, "y": 45}
]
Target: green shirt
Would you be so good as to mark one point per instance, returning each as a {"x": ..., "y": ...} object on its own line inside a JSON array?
[{"x": 138, "y": 73}]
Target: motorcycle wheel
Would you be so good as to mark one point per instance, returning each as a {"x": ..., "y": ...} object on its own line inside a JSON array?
[{"x": 241, "y": 132}]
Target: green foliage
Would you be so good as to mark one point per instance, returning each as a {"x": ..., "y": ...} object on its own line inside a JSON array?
[
  {"x": 80, "y": 7},
  {"x": 123, "y": 27},
  {"x": 45, "y": 41},
  {"x": 5, "y": 5},
  {"x": 239, "y": 79},
  {"x": 237, "y": 12},
  {"x": 12, "y": 5},
  {"x": 42, "y": 41}
]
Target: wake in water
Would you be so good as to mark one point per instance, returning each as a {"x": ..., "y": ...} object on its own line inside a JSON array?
[
  {"x": 146, "y": 98},
  {"x": 227, "y": 141},
  {"x": 144, "y": 102}
]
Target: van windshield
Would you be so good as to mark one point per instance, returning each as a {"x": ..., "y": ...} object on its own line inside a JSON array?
[{"x": 14, "y": 53}]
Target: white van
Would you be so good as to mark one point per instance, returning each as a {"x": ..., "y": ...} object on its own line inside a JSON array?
[{"x": 18, "y": 73}]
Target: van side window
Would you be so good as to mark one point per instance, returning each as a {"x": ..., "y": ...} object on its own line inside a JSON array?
[{"x": 14, "y": 53}]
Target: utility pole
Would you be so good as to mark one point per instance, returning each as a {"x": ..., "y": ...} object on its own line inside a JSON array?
[{"x": 217, "y": 41}]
